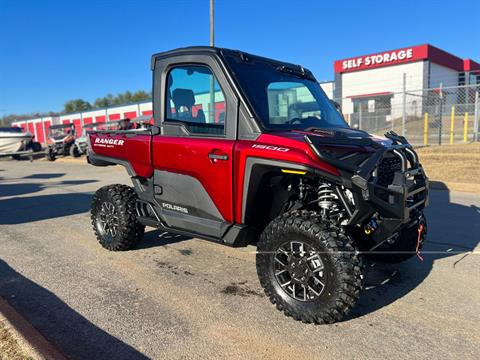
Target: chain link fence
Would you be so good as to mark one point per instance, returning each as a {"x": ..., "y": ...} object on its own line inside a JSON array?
[{"x": 436, "y": 116}]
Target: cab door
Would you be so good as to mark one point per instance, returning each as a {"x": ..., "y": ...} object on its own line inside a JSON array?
[{"x": 193, "y": 156}]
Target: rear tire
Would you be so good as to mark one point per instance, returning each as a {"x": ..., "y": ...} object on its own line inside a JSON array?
[
  {"x": 337, "y": 266},
  {"x": 114, "y": 218}
]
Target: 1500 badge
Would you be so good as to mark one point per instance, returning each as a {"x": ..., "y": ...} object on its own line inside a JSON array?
[{"x": 270, "y": 147}]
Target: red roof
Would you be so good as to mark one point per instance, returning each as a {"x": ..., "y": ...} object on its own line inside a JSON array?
[
  {"x": 385, "y": 93},
  {"x": 470, "y": 65}
]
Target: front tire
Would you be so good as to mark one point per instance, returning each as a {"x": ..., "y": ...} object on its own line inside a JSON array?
[
  {"x": 74, "y": 152},
  {"x": 114, "y": 218},
  {"x": 319, "y": 279},
  {"x": 50, "y": 154}
]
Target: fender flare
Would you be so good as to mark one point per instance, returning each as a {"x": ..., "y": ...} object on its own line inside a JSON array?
[
  {"x": 251, "y": 162},
  {"x": 100, "y": 160}
]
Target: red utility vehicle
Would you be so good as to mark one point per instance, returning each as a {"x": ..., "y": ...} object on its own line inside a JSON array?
[{"x": 245, "y": 149}]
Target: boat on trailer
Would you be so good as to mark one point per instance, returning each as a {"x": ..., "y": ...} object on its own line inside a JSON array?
[{"x": 14, "y": 141}]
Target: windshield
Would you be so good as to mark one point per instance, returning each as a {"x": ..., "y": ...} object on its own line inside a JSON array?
[
  {"x": 284, "y": 98},
  {"x": 60, "y": 132}
]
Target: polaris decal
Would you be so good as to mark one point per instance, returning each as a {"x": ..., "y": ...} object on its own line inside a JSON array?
[
  {"x": 270, "y": 147},
  {"x": 174, "y": 207},
  {"x": 109, "y": 143}
]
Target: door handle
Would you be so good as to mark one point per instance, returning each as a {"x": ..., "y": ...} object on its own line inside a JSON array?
[{"x": 215, "y": 156}]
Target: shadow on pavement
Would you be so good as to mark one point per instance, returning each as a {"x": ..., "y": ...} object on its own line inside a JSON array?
[
  {"x": 453, "y": 229},
  {"x": 22, "y": 210},
  {"x": 15, "y": 189},
  {"x": 44, "y": 176},
  {"x": 69, "y": 331},
  {"x": 156, "y": 238}
]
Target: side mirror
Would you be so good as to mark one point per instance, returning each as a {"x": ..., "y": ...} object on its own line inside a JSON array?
[{"x": 154, "y": 129}]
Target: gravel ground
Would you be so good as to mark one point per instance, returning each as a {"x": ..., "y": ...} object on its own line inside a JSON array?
[{"x": 174, "y": 297}]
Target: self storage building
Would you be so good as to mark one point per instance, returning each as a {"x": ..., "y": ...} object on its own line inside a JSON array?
[{"x": 387, "y": 82}]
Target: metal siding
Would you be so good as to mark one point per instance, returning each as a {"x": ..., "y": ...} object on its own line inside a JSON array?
[{"x": 40, "y": 136}]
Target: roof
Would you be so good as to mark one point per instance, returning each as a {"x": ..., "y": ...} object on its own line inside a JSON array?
[
  {"x": 470, "y": 65},
  {"x": 199, "y": 50},
  {"x": 385, "y": 93}
]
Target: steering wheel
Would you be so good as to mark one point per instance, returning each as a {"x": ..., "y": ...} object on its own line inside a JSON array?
[
  {"x": 302, "y": 121},
  {"x": 295, "y": 120}
]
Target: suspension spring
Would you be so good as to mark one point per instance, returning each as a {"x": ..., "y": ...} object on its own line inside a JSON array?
[{"x": 326, "y": 197}]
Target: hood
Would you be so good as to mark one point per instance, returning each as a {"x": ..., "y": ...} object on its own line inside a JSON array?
[
  {"x": 347, "y": 136},
  {"x": 338, "y": 137},
  {"x": 346, "y": 148}
]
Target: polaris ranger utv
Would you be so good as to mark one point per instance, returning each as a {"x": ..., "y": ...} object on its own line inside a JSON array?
[
  {"x": 62, "y": 137},
  {"x": 245, "y": 149}
]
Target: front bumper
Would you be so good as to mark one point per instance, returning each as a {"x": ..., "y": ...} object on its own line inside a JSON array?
[
  {"x": 408, "y": 190},
  {"x": 397, "y": 203},
  {"x": 394, "y": 200}
]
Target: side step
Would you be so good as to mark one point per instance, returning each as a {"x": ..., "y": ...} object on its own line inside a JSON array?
[{"x": 144, "y": 211}]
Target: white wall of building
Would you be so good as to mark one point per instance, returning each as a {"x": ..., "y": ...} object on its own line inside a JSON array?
[
  {"x": 441, "y": 74},
  {"x": 328, "y": 87},
  {"x": 379, "y": 80},
  {"x": 447, "y": 78}
]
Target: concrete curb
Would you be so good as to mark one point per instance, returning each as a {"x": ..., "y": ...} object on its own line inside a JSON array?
[{"x": 29, "y": 339}]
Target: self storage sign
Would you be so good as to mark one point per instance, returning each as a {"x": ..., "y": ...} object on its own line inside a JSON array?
[{"x": 381, "y": 59}]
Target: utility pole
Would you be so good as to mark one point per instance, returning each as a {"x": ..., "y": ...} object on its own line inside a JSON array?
[
  {"x": 212, "y": 23},
  {"x": 404, "y": 107},
  {"x": 211, "y": 112}
]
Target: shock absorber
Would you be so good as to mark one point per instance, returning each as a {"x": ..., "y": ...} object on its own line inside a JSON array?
[{"x": 326, "y": 197}]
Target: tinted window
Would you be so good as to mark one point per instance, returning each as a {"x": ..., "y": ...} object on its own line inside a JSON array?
[{"x": 195, "y": 99}]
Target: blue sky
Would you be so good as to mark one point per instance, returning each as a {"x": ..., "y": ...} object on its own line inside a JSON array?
[{"x": 52, "y": 51}]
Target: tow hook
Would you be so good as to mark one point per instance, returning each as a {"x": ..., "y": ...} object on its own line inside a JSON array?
[
  {"x": 419, "y": 239},
  {"x": 370, "y": 227}
]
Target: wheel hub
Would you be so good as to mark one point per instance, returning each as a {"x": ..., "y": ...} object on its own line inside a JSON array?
[
  {"x": 108, "y": 219},
  {"x": 299, "y": 271}
]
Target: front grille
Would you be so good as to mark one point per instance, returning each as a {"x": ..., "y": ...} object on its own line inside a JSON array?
[{"x": 386, "y": 170}]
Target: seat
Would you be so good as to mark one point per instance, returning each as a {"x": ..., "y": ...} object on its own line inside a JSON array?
[
  {"x": 200, "y": 117},
  {"x": 183, "y": 98}
]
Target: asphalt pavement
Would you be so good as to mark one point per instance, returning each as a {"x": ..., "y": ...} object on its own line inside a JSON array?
[{"x": 178, "y": 298}]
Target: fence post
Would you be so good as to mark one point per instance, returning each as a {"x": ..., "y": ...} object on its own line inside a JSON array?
[
  {"x": 475, "y": 118},
  {"x": 440, "y": 125},
  {"x": 465, "y": 128},
  {"x": 425, "y": 129},
  {"x": 404, "y": 109},
  {"x": 452, "y": 125}
]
